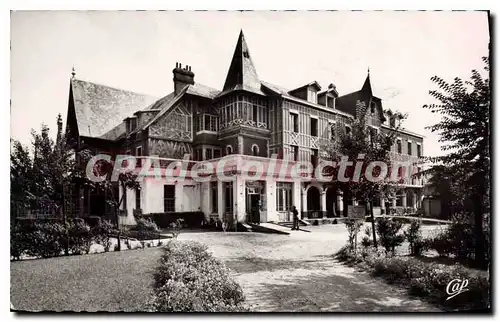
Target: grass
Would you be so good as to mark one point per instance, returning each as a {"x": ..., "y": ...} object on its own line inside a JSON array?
[{"x": 114, "y": 281}]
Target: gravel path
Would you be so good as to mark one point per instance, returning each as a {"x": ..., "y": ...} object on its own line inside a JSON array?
[{"x": 277, "y": 273}]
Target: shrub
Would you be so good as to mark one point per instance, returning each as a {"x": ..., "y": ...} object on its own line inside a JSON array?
[
  {"x": 46, "y": 239},
  {"x": 428, "y": 280},
  {"x": 146, "y": 229},
  {"x": 79, "y": 237},
  {"x": 367, "y": 238},
  {"x": 353, "y": 227},
  {"x": 18, "y": 241},
  {"x": 388, "y": 232},
  {"x": 441, "y": 244},
  {"x": 414, "y": 237},
  {"x": 102, "y": 233},
  {"x": 176, "y": 227},
  {"x": 163, "y": 220},
  {"x": 190, "y": 279}
]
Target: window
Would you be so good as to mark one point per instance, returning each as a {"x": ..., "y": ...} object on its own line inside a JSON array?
[
  {"x": 312, "y": 96},
  {"x": 419, "y": 150},
  {"x": 229, "y": 196},
  {"x": 216, "y": 153},
  {"x": 330, "y": 102},
  {"x": 133, "y": 123},
  {"x": 373, "y": 135},
  {"x": 255, "y": 110},
  {"x": 314, "y": 127},
  {"x": 314, "y": 157},
  {"x": 372, "y": 107},
  {"x": 409, "y": 148},
  {"x": 399, "y": 146},
  {"x": 215, "y": 197},
  {"x": 169, "y": 198},
  {"x": 347, "y": 130},
  {"x": 294, "y": 126},
  {"x": 229, "y": 150},
  {"x": 138, "y": 153},
  {"x": 333, "y": 133},
  {"x": 208, "y": 154},
  {"x": 283, "y": 196},
  {"x": 207, "y": 123},
  {"x": 295, "y": 150},
  {"x": 255, "y": 150},
  {"x": 197, "y": 155},
  {"x": 137, "y": 198}
]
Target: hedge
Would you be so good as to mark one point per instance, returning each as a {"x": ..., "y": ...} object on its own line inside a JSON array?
[
  {"x": 164, "y": 219},
  {"x": 190, "y": 279},
  {"x": 51, "y": 237}
]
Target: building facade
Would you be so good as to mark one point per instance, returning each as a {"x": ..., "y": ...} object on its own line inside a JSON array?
[{"x": 247, "y": 121}]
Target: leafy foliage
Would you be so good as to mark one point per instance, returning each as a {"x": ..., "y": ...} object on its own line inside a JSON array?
[
  {"x": 190, "y": 279},
  {"x": 49, "y": 238},
  {"x": 425, "y": 279},
  {"x": 464, "y": 130},
  {"x": 414, "y": 237},
  {"x": 353, "y": 227},
  {"x": 389, "y": 234},
  {"x": 39, "y": 178}
]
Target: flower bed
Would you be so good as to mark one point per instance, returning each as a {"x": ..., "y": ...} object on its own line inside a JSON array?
[
  {"x": 427, "y": 280},
  {"x": 190, "y": 279}
]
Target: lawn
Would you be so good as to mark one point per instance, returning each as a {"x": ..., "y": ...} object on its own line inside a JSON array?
[{"x": 277, "y": 273}]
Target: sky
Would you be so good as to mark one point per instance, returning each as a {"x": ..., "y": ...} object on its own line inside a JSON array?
[{"x": 137, "y": 51}]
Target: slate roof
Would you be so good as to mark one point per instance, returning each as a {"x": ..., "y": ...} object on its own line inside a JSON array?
[
  {"x": 242, "y": 74},
  {"x": 100, "y": 109},
  {"x": 202, "y": 90},
  {"x": 313, "y": 83}
]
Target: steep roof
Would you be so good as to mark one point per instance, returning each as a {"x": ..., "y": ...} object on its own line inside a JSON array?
[
  {"x": 367, "y": 87},
  {"x": 283, "y": 92},
  {"x": 347, "y": 103},
  {"x": 313, "y": 83},
  {"x": 242, "y": 74},
  {"x": 100, "y": 109}
]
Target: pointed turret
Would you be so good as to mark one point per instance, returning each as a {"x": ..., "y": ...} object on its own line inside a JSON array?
[
  {"x": 367, "y": 86},
  {"x": 242, "y": 74}
]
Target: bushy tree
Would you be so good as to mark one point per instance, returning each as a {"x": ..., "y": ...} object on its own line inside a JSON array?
[
  {"x": 464, "y": 130},
  {"x": 374, "y": 147},
  {"x": 39, "y": 178}
]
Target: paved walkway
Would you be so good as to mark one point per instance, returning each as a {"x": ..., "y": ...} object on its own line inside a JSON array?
[{"x": 297, "y": 273}]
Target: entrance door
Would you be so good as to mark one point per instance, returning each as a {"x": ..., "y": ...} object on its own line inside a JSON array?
[{"x": 254, "y": 208}]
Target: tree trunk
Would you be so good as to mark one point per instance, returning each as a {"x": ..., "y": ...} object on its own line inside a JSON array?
[
  {"x": 479, "y": 257},
  {"x": 373, "y": 225},
  {"x": 66, "y": 244},
  {"x": 118, "y": 239}
]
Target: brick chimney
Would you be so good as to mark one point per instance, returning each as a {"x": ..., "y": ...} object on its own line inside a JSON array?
[{"x": 182, "y": 77}]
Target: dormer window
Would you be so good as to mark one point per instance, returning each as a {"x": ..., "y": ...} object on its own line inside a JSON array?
[
  {"x": 372, "y": 107},
  {"x": 312, "y": 95}
]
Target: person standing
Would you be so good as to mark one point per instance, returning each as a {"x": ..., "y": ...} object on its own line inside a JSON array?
[{"x": 295, "y": 218}]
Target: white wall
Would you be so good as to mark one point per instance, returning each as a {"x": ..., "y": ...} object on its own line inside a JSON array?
[{"x": 272, "y": 214}]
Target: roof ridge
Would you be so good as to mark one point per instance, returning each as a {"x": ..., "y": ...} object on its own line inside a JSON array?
[{"x": 112, "y": 87}]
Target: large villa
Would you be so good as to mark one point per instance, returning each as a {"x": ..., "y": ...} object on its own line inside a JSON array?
[{"x": 248, "y": 119}]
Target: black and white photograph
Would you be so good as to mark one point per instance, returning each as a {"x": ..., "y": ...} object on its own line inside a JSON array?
[{"x": 250, "y": 161}]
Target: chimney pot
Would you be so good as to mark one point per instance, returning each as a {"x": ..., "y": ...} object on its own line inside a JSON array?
[{"x": 180, "y": 65}]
